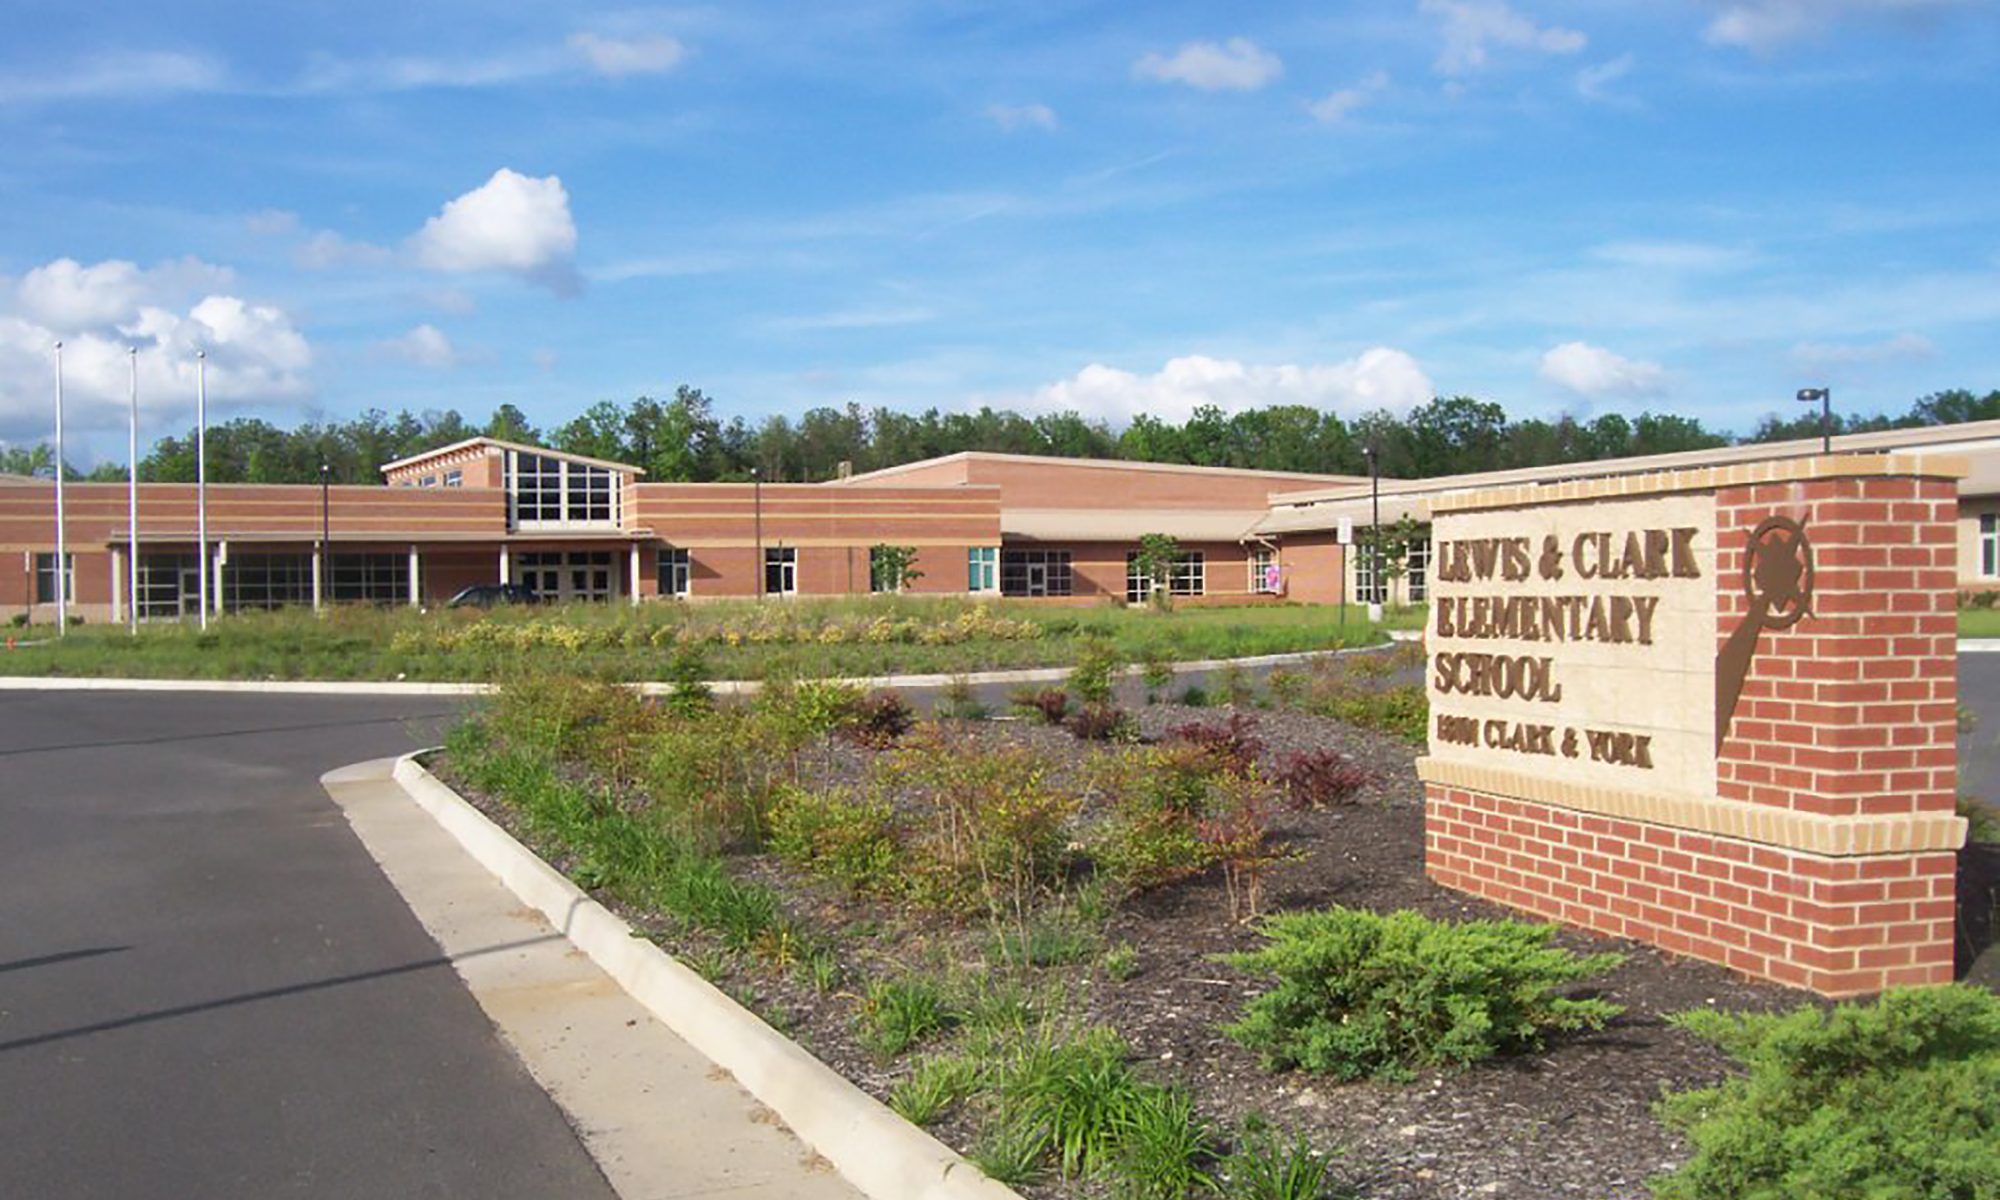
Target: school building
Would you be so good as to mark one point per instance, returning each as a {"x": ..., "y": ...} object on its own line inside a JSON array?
[{"x": 576, "y": 528}]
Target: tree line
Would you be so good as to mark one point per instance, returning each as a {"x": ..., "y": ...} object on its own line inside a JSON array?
[{"x": 683, "y": 438}]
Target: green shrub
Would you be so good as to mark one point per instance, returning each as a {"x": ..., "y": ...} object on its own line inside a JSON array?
[
  {"x": 840, "y": 835},
  {"x": 1898, "y": 1099},
  {"x": 1157, "y": 797},
  {"x": 812, "y": 707},
  {"x": 1363, "y": 994},
  {"x": 1076, "y": 1093},
  {"x": 1094, "y": 678},
  {"x": 899, "y": 1013},
  {"x": 934, "y": 1088},
  {"x": 984, "y": 827},
  {"x": 713, "y": 776},
  {"x": 1403, "y": 711},
  {"x": 1162, "y": 1146},
  {"x": 1263, "y": 1168},
  {"x": 1982, "y": 821},
  {"x": 687, "y": 671}
]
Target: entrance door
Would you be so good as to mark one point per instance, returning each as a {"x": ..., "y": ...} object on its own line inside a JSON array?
[
  {"x": 188, "y": 603},
  {"x": 1038, "y": 578}
]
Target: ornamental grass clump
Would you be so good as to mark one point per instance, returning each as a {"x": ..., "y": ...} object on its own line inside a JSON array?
[
  {"x": 1359, "y": 994},
  {"x": 1897, "y": 1099}
]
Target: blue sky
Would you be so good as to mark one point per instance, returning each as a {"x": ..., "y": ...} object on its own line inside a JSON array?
[{"x": 1563, "y": 205}]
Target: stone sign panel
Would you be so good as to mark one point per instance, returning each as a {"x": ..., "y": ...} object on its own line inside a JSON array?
[{"x": 1578, "y": 639}]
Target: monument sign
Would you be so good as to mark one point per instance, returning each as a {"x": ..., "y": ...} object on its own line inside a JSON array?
[{"x": 1710, "y": 709}]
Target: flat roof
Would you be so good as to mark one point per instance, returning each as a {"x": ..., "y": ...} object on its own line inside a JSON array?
[
  {"x": 1116, "y": 464},
  {"x": 1128, "y": 524},
  {"x": 498, "y": 444},
  {"x": 1941, "y": 438}
]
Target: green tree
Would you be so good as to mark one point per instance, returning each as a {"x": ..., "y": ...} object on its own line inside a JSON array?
[
  {"x": 1154, "y": 562},
  {"x": 892, "y": 568}
]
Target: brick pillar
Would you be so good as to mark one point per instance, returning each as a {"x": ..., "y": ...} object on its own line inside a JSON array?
[
  {"x": 1852, "y": 713},
  {"x": 1809, "y": 836}
]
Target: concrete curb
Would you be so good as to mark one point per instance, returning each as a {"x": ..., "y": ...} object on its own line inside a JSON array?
[
  {"x": 1979, "y": 645},
  {"x": 877, "y": 1151},
  {"x": 721, "y": 687}
]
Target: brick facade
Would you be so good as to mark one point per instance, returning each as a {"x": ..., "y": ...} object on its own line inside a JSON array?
[{"x": 1824, "y": 859}]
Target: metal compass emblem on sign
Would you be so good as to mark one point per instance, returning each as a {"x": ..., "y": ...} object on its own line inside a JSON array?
[{"x": 1778, "y": 581}]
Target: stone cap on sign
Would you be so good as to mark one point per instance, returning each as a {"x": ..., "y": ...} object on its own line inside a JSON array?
[
  {"x": 1815, "y": 833},
  {"x": 1705, "y": 479}
]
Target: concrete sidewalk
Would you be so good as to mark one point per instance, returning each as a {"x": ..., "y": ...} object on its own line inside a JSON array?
[{"x": 659, "y": 1118}]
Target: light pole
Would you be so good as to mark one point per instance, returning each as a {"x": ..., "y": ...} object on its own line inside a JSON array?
[
  {"x": 201, "y": 476},
  {"x": 1825, "y": 398},
  {"x": 132, "y": 500},
  {"x": 757, "y": 523},
  {"x": 1374, "y": 537},
  {"x": 62, "y": 541},
  {"x": 325, "y": 537}
]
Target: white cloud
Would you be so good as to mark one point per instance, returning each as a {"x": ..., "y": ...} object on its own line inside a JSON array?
[
  {"x": 852, "y": 318},
  {"x": 1672, "y": 256},
  {"x": 1377, "y": 378},
  {"x": 1338, "y": 106},
  {"x": 1473, "y": 27},
  {"x": 1904, "y": 347},
  {"x": 122, "y": 75},
  {"x": 1594, "y": 82},
  {"x": 616, "y": 57},
  {"x": 424, "y": 346},
  {"x": 66, "y": 295},
  {"x": 326, "y": 249},
  {"x": 1597, "y": 373},
  {"x": 102, "y": 311},
  {"x": 1765, "y": 25},
  {"x": 1238, "y": 64},
  {"x": 272, "y": 222},
  {"x": 513, "y": 223},
  {"x": 1011, "y": 117}
]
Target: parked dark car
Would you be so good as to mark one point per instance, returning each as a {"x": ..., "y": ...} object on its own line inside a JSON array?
[{"x": 488, "y": 595}]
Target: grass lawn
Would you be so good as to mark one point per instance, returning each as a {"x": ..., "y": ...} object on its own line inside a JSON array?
[
  {"x": 723, "y": 640},
  {"x": 1979, "y": 622}
]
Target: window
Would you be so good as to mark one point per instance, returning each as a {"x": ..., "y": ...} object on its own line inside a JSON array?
[
  {"x": 45, "y": 578},
  {"x": 1265, "y": 578},
  {"x": 1035, "y": 573},
  {"x": 1189, "y": 576},
  {"x": 369, "y": 579},
  {"x": 1989, "y": 544},
  {"x": 428, "y": 481},
  {"x": 878, "y": 570},
  {"x": 552, "y": 491},
  {"x": 1416, "y": 576},
  {"x": 982, "y": 569},
  {"x": 673, "y": 572},
  {"x": 1366, "y": 589},
  {"x": 559, "y": 576},
  {"x": 266, "y": 581},
  {"x": 781, "y": 571},
  {"x": 454, "y": 478},
  {"x": 169, "y": 586}
]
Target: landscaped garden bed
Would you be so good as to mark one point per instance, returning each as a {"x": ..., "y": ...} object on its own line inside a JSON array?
[
  {"x": 1051, "y": 939},
  {"x": 863, "y": 637}
]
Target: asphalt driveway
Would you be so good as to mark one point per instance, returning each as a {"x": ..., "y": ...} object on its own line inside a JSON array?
[{"x": 208, "y": 989}]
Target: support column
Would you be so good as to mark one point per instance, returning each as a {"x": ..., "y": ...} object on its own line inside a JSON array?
[
  {"x": 632, "y": 575},
  {"x": 506, "y": 567},
  {"x": 117, "y": 585},
  {"x": 319, "y": 577},
  {"x": 416, "y": 579},
  {"x": 215, "y": 585}
]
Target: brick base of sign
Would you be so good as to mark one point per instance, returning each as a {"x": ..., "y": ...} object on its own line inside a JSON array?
[{"x": 1841, "y": 926}]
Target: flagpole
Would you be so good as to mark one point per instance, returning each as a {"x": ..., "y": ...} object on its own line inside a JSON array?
[
  {"x": 132, "y": 503},
  {"x": 62, "y": 543},
  {"x": 201, "y": 472}
]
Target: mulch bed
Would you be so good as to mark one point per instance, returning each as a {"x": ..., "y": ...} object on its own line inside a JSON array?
[{"x": 1573, "y": 1121}]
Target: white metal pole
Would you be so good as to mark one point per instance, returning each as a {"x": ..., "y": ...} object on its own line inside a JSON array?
[
  {"x": 132, "y": 503},
  {"x": 201, "y": 472},
  {"x": 62, "y": 542}
]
